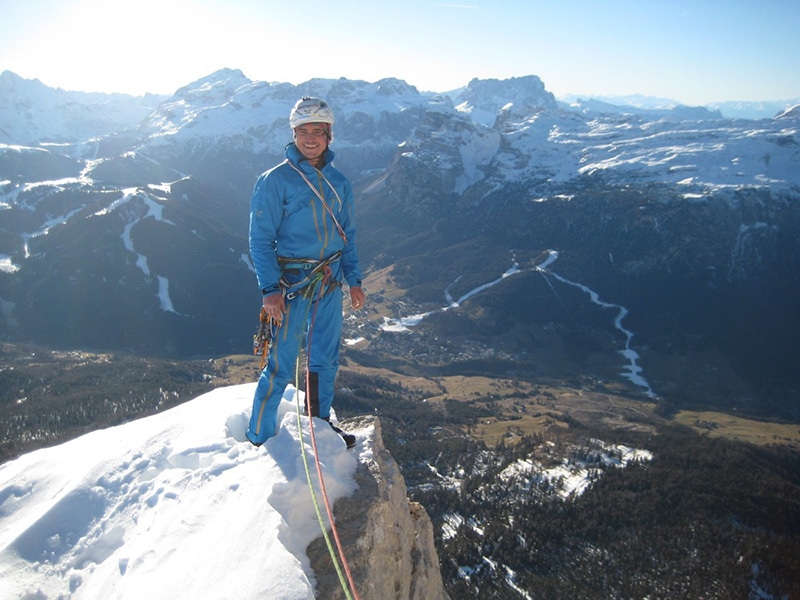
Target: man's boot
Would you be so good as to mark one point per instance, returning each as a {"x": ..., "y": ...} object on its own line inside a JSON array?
[
  {"x": 312, "y": 407},
  {"x": 312, "y": 394}
]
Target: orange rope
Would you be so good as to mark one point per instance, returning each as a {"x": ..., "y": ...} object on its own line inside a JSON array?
[{"x": 320, "y": 288}]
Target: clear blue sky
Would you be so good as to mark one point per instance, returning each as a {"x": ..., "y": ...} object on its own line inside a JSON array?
[{"x": 692, "y": 51}]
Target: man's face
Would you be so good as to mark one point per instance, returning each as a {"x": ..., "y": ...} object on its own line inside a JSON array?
[{"x": 311, "y": 140}]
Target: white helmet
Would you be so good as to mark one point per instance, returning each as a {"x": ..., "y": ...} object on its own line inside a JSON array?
[{"x": 310, "y": 110}]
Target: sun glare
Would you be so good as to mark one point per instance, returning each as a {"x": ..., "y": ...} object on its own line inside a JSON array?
[{"x": 133, "y": 47}]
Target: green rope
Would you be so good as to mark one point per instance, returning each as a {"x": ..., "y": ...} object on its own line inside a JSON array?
[
  {"x": 331, "y": 550},
  {"x": 324, "y": 529}
]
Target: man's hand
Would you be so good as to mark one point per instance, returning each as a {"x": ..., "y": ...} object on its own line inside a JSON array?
[
  {"x": 357, "y": 297},
  {"x": 275, "y": 307}
]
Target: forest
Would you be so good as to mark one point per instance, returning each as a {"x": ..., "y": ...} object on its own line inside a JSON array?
[
  {"x": 48, "y": 396},
  {"x": 706, "y": 517}
]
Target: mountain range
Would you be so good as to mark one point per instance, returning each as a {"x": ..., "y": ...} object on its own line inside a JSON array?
[{"x": 124, "y": 225}]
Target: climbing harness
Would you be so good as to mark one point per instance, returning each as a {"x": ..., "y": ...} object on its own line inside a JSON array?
[{"x": 318, "y": 270}]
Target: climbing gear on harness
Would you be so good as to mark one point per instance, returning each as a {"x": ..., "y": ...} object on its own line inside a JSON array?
[
  {"x": 318, "y": 279},
  {"x": 321, "y": 197},
  {"x": 262, "y": 340},
  {"x": 318, "y": 271}
]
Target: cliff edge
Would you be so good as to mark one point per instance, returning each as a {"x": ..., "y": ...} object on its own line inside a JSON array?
[{"x": 387, "y": 539}]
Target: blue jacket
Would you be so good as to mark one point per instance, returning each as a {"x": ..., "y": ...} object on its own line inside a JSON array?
[{"x": 288, "y": 220}]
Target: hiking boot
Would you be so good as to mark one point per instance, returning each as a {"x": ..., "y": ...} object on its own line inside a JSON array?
[{"x": 348, "y": 438}]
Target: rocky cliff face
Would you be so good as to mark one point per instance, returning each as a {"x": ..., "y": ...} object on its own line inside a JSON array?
[{"x": 387, "y": 539}]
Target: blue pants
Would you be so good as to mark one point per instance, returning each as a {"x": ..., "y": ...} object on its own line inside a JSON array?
[{"x": 323, "y": 359}]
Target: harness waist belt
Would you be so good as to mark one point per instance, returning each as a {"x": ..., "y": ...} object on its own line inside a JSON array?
[
  {"x": 315, "y": 271},
  {"x": 304, "y": 264}
]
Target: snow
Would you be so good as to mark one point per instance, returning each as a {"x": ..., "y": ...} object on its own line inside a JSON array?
[
  {"x": 405, "y": 323},
  {"x": 163, "y": 295},
  {"x": 7, "y": 265},
  {"x": 46, "y": 227},
  {"x": 176, "y": 505},
  {"x": 573, "y": 477},
  {"x": 630, "y": 370},
  {"x": 557, "y": 144},
  {"x": 477, "y": 150},
  {"x": 510, "y": 131},
  {"x": 154, "y": 211}
]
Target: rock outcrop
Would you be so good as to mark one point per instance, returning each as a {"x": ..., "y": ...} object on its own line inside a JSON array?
[{"x": 387, "y": 539}]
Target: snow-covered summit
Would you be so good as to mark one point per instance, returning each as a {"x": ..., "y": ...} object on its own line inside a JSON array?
[
  {"x": 510, "y": 130},
  {"x": 500, "y": 131},
  {"x": 484, "y": 99},
  {"x": 674, "y": 112},
  {"x": 225, "y": 81},
  {"x": 226, "y": 105},
  {"x": 177, "y": 505},
  {"x": 790, "y": 113},
  {"x": 172, "y": 506}
]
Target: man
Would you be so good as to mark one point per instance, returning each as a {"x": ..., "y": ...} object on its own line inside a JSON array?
[{"x": 303, "y": 245}]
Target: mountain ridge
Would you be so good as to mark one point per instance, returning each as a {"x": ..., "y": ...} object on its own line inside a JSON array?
[
  {"x": 132, "y": 511},
  {"x": 680, "y": 216},
  {"x": 548, "y": 289}
]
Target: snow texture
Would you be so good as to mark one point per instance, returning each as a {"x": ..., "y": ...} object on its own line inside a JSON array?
[
  {"x": 631, "y": 369},
  {"x": 176, "y": 505}
]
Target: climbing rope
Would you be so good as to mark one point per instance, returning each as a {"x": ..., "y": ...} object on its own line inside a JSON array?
[
  {"x": 317, "y": 510},
  {"x": 314, "y": 290},
  {"x": 319, "y": 287}
]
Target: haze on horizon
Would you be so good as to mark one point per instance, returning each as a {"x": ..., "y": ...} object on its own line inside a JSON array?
[{"x": 692, "y": 52}]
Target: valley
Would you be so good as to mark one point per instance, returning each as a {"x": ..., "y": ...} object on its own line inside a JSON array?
[
  {"x": 510, "y": 385},
  {"x": 715, "y": 480}
]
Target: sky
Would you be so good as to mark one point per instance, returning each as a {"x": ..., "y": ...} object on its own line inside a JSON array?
[{"x": 692, "y": 51}]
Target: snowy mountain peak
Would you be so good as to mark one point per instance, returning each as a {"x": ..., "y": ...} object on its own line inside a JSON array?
[
  {"x": 180, "y": 505},
  {"x": 483, "y": 99},
  {"x": 31, "y": 112},
  {"x": 13, "y": 84},
  {"x": 224, "y": 82},
  {"x": 527, "y": 90},
  {"x": 789, "y": 113},
  {"x": 391, "y": 86}
]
